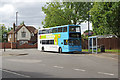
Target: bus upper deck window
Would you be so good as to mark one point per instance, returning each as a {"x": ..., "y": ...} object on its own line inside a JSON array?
[
  {"x": 50, "y": 30},
  {"x": 59, "y": 29},
  {"x": 44, "y": 31},
  {"x": 64, "y": 29},
  {"x": 54, "y": 30},
  {"x": 40, "y": 31},
  {"x": 47, "y": 31},
  {"x": 78, "y": 29},
  {"x": 74, "y": 28}
]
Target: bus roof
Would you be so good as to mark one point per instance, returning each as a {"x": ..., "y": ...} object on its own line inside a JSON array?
[
  {"x": 57, "y": 27},
  {"x": 63, "y": 26},
  {"x": 44, "y": 28}
]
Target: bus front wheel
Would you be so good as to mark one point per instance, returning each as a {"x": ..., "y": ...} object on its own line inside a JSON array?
[{"x": 60, "y": 50}]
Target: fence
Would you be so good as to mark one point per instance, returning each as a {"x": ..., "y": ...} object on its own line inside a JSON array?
[
  {"x": 13, "y": 45},
  {"x": 109, "y": 43}
]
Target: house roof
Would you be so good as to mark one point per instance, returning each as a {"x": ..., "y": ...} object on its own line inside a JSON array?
[{"x": 31, "y": 29}]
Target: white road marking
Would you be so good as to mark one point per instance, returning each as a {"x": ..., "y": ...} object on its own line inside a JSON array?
[
  {"x": 65, "y": 54},
  {"x": 25, "y": 60},
  {"x": 114, "y": 58},
  {"x": 80, "y": 70},
  {"x": 58, "y": 67},
  {"x": 106, "y": 73},
  {"x": 16, "y": 73}
]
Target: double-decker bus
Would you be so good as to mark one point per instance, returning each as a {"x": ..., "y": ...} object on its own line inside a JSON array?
[{"x": 65, "y": 38}]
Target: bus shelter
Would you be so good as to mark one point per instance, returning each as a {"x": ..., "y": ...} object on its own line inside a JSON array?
[{"x": 92, "y": 44}]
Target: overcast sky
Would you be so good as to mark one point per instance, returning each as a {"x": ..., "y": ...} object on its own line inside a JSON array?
[{"x": 29, "y": 11}]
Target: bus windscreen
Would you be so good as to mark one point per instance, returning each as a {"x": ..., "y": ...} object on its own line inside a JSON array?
[
  {"x": 75, "y": 35},
  {"x": 74, "y": 42},
  {"x": 74, "y": 28}
]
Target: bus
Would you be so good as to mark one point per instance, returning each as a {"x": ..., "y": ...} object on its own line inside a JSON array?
[{"x": 60, "y": 39}]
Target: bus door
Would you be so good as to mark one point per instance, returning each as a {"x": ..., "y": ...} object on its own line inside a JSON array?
[
  {"x": 60, "y": 43},
  {"x": 65, "y": 45},
  {"x": 40, "y": 46}
]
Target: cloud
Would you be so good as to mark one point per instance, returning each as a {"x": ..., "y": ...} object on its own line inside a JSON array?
[
  {"x": 14, "y": 1},
  {"x": 7, "y": 9},
  {"x": 6, "y": 13},
  {"x": 29, "y": 12}
]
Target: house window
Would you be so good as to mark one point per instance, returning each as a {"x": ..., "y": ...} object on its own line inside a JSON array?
[
  {"x": 9, "y": 35},
  {"x": 23, "y": 34},
  {"x": 32, "y": 34}
]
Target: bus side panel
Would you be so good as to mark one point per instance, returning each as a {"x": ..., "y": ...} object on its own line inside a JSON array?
[
  {"x": 39, "y": 48},
  {"x": 63, "y": 36},
  {"x": 51, "y": 48}
]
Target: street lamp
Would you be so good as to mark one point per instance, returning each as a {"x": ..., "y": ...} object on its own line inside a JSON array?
[{"x": 16, "y": 17}]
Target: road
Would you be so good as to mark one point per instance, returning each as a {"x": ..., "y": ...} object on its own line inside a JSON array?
[{"x": 36, "y": 64}]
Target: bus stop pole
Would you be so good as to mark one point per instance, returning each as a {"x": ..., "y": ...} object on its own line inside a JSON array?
[
  {"x": 92, "y": 45},
  {"x": 4, "y": 45},
  {"x": 96, "y": 45},
  {"x": 88, "y": 45}
]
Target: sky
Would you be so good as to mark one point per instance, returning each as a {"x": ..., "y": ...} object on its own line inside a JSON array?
[{"x": 29, "y": 11}]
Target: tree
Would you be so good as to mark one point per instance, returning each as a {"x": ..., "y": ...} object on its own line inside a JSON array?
[
  {"x": 106, "y": 18},
  {"x": 22, "y": 23},
  {"x": 3, "y": 30},
  {"x": 9, "y": 29},
  {"x": 65, "y": 13}
]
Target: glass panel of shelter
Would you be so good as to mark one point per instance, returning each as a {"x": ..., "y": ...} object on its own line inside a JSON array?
[{"x": 92, "y": 45}]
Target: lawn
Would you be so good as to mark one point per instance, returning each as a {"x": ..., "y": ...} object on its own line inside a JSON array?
[{"x": 106, "y": 50}]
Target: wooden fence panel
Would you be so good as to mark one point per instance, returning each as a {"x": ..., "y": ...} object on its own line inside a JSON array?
[{"x": 109, "y": 43}]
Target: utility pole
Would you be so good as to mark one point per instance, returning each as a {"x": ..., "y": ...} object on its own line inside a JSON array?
[{"x": 16, "y": 27}]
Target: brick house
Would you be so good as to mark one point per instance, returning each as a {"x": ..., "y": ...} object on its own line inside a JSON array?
[
  {"x": 22, "y": 34},
  {"x": 86, "y": 33}
]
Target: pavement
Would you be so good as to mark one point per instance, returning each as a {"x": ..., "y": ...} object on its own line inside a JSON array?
[
  {"x": 31, "y": 63},
  {"x": 18, "y": 52}
]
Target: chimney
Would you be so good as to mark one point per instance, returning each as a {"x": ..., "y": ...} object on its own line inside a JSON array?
[
  {"x": 13, "y": 32},
  {"x": 14, "y": 26}
]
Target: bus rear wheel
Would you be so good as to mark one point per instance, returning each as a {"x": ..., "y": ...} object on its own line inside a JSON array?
[
  {"x": 42, "y": 48},
  {"x": 60, "y": 50}
]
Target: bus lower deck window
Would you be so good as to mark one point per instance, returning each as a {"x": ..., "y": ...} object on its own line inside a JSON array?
[
  {"x": 47, "y": 42},
  {"x": 51, "y": 41}
]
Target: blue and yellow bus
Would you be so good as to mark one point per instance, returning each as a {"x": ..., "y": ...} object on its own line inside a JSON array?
[{"x": 65, "y": 38}]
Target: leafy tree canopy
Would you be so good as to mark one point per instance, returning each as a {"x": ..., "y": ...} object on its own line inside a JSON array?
[
  {"x": 22, "y": 23},
  {"x": 65, "y": 13},
  {"x": 3, "y": 30},
  {"x": 106, "y": 18}
]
